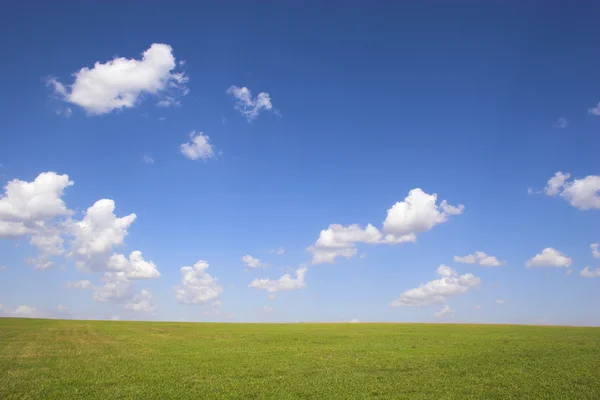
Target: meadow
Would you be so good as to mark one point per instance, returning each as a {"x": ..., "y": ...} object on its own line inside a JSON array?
[{"x": 67, "y": 359}]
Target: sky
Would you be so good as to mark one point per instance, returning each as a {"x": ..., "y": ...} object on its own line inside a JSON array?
[{"x": 283, "y": 161}]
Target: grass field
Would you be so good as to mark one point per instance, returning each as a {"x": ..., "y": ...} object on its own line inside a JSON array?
[{"x": 108, "y": 360}]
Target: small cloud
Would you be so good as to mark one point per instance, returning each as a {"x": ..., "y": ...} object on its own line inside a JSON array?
[
  {"x": 530, "y": 191},
  {"x": 250, "y": 107},
  {"x": 278, "y": 251},
  {"x": 587, "y": 272},
  {"x": 162, "y": 118},
  {"x": 198, "y": 148},
  {"x": 477, "y": 307},
  {"x": 499, "y": 301},
  {"x": 594, "y": 110},
  {"x": 62, "y": 308},
  {"x": 115, "y": 318},
  {"x": 267, "y": 309},
  {"x": 595, "y": 247},
  {"x": 549, "y": 257},
  {"x": 272, "y": 296},
  {"x": 561, "y": 123},
  {"x": 3, "y": 268},
  {"x": 354, "y": 321},
  {"x": 569, "y": 272},
  {"x": 363, "y": 255},
  {"x": 148, "y": 159},
  {"x": 446, "y": 311},
  {"x": 223, "y": 120},
  {"x": 252, "y": 262}
]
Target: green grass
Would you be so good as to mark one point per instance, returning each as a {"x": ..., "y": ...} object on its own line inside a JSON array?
[{"x": 54, "y": 359}]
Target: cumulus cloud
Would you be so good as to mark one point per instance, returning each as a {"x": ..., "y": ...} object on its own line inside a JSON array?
[
  {"x": 252, "y": 262},
  {"x": 117, "y": 288},
  {"x": 97, "y": 233},
  {"x": 135, "y": 267},
  {"x": 587, "y": 272},
  {"x": 340, "y": 241},
  {"x": 418, "y": 212},
  {"x": 278, "y": 251},
  {"x": 122, "y": 83},
  {"x": 479, "y": 257},
  {"x": 141, "y": 302},
  {"x": 549, "y": 257},
  {"x": 250, "y": 107},
  {"x": 198, "y": 148},
  {"x": 438, "y": 291},
  {"x": 595, "y": 249},
  {"x": 286, "y": 282},
  {"x": 583, "y": 194},
  {"x": 198, "y": 286},
  {"x": 594, "y": 110},
  {"x": 446, "y": 311},
  {"x": 84, "y": 284}
]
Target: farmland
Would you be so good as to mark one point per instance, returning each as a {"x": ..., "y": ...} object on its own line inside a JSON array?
[{"x": 60, "y": 359}]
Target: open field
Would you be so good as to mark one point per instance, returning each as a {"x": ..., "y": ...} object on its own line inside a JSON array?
[{"x": 101, "y": 359}]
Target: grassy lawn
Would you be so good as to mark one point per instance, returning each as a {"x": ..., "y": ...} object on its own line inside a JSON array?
[{"x": 107, "y": 360}]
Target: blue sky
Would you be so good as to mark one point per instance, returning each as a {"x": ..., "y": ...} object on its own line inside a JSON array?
[{"x": 251, "y": 127}]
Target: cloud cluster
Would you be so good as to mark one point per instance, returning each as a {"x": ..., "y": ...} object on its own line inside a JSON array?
[
  {"x": 438, "y": 291},
  {"x": 197, "y": 285},
  {"x": 37, "y": 210},
  {"x": 286, "y": 282},
  {"x": 549, "y": 257},
  {"x": 250, "y": 107},
  {"x": 122, "y": 83},
  {"x": 583, "y": 194},
  {"x": 479, "y": 257},
  {"x": 419, "y": 212}
]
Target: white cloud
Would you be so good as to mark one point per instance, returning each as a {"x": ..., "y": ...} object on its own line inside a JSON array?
[
  {"x": 115, "y": 318},
  {"x": 354, "y": 321},
  {"x": 198, "y": 148},
  {"x": 568, "y": 272},
  {"x": 122, "y": 83},
  {"x": 135, "y": 267},
  {"x": 587, "y": 272},
  {"x": 438, "y": 291},
  {"x": 62, "y": 309},
  {"x": 252, "y": 262},
  {"x": 556, "y": 184},
  {"x": 286, "y": 282},
  {"x": 116, "y": 288},
  {"x": 595, "y": 247},
  {"x": 477, "y": 307},
  {"x": 198, "y": 286},
  {"x": 340, "y": 241},
  {"x": 499, "y": 301},
  {"x": 479, "y": 257},
  {"x": 141, "y": 302},
  {"x": 271, "y": 296},
  {"x": 147, "y": 159},
  {"x": 561, "y": 123},
  {"x": 583, "y": 194},
  {"x": 446, "y": 311},
  {"x": 418, "y": 213},
  {"x": 246, "y": 105},
  {"x": 25, "y": 206},
  {"x": 595, "y": 110},
  {"x": 549, "y": 257},
  {"x": 84, "y": 284},
  {"x": 267, "y": 309},
  {"x": 363, "y": 255},
  {"x": 25, "y": 311},
  {"x": 278, "y": 251},
  {"x": 97, "y": 233}
]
